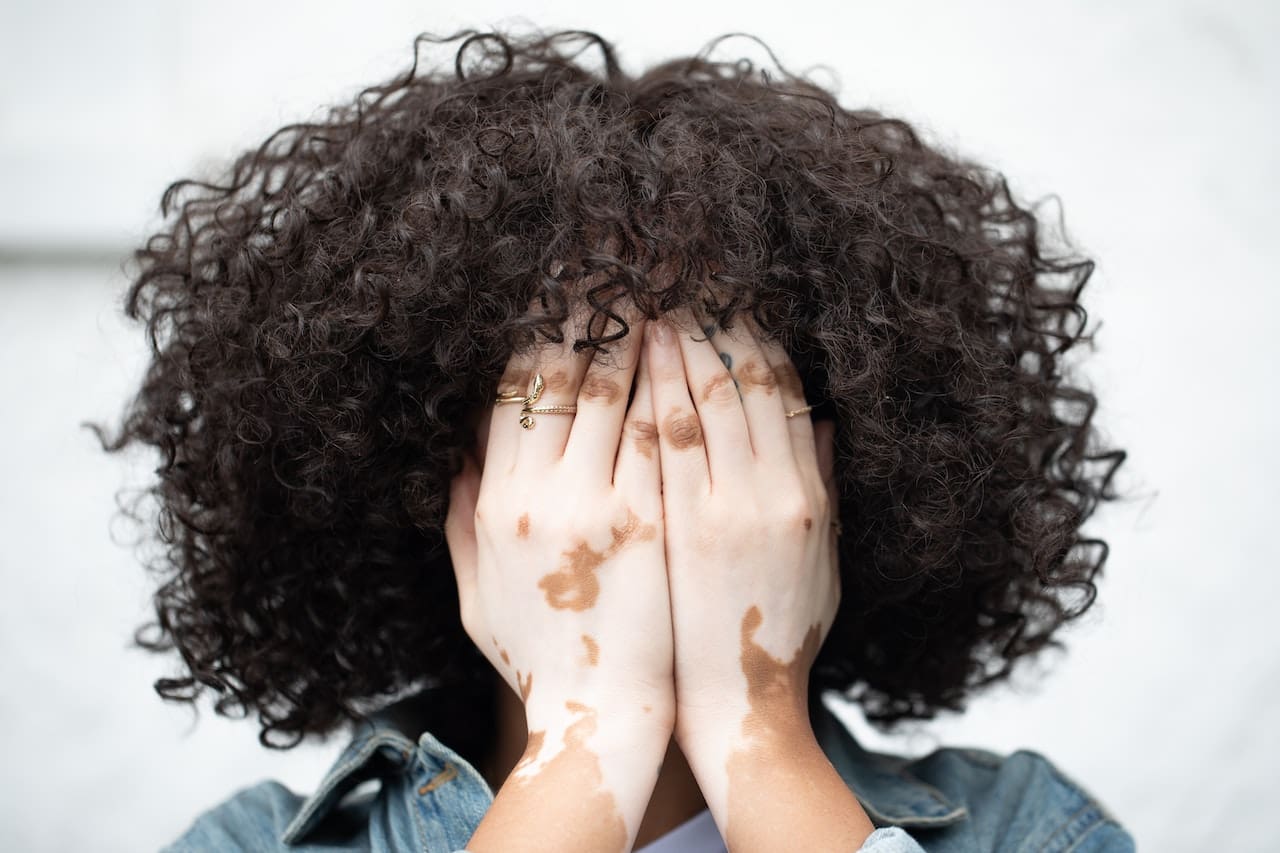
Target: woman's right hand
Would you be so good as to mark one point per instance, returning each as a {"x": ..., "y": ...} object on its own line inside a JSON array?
[{"x": 556, "y": 537}]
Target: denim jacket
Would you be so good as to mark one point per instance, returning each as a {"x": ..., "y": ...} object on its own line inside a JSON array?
[{"x": 953, "y": 800}]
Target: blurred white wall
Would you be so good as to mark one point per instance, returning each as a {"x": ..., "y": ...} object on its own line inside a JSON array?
[{"x": 1154, "y": 123}]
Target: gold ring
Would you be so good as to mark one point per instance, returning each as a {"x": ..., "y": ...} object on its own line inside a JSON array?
[
  {"x": 509, "y": 397},
  {"x": 799, "y": 411},
  {"x": 528, "y": 410}
]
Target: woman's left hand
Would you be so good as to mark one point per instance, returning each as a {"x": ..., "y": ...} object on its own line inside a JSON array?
[{"x": 751, "y": 551}]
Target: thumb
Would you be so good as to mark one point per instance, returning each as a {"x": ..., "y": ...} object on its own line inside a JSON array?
[
  {"x": 824, "y": 432},
  {"x": 460, "y": 531}
]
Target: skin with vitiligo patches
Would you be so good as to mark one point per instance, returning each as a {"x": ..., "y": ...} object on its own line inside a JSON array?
[
  {"x": 575, "y": 772},
  {"x": 777, "y": 695},
  {"x": 575, "y": 585}
]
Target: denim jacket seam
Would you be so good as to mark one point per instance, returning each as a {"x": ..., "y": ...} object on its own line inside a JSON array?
[
  {"x": 416, "y": 808},
  {"x": 1090, "y": 829},
  {"x": 1084, "y": 793},
  {"x": 1072, "y": 840},
  {"x": 956, "y": 811},
  {"x": 900, "y": 769}
]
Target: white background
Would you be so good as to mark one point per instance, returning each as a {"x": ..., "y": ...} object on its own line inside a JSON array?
[{"x": 1153, "y": 122}]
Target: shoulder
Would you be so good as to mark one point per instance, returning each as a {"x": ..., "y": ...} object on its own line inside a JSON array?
[
  {"x": 960, "y": 799},
  {"x": 1022, "y": 799},
  {"x": 252, "y": 818}
]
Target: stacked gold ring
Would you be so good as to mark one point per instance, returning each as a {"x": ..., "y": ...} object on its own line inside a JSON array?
[{"x": 527, "y": 409}]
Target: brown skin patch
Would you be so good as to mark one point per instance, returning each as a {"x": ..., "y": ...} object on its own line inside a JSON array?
[
  {"x": 593, "y": 651},
  {"x": 712, "y": 389},
  {"x": 575, "y": 773},
  {"x": 754, "y": 375},
  {"x": 533, "y": 745},
  {"x": 501, "y": 651},
  {"x": 522, "y": 526},
  {"x": 526, "y": 686},
  {"x": 808, "y": 523},
  {"x": 683, "y": 430},
  {"x": 557, "y": 380},
  {"x": 575, "y": 586},
  {"x": 645, "y": 435},
  {"x": 789, "y": 381},
  {"x": 599, "y": 389},
  {"x": 776, "y": 724}
]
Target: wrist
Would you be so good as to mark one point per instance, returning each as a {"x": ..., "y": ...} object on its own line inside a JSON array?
[
  {"x": 770, "y": 786},
  {"x": 582, "y": 784},
  {"x": 710, "y": 736},
  {"x": 627, "y": 723}
]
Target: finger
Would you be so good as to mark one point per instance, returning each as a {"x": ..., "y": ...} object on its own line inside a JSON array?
[
  {"x": 594, "y": 438},
  {"x": 638, "y": 471},
  {"x": 767, "y": 426},
  {"x": 503, "y": 439},
  {"x": 460, "y": 535},
  {"x": 792, "y": 388},
  {"x": 715, "y": 396},
  {"x": 681, "y": 454},
  {"x": 824, "y": 435},
  {"x": 824, "y": 432},
  {"x": 561, "y": 370}
]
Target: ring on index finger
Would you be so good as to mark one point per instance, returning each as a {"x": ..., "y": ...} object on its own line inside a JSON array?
[{"x": 527, "y": 409}]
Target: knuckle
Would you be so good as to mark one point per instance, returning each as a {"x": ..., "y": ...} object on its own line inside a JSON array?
[
  {"x": 789, "y": 380},
  {"x": 597, "y": 388},
  {"x": 795, "y": 513},
  {"x": 555, "y": 382},
  {"x": 753, "y": 374},
  {"x": 720, "y": 388},
  {"x": 467, "y": 615},
  {"x": 644, "y": 433},
  {"x": 515, "y": 378},
  {"x": 682, "y": 429},
  {"x": 487, "y": 514}
]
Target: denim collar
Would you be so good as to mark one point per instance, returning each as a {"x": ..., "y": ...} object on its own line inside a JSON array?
[{"x": 388, "y": 739}]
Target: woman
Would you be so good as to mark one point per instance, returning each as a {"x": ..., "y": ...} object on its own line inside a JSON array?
[{"x": 571, "y": 433}]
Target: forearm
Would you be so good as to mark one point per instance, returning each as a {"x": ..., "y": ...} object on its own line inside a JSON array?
[
  {"x": 776, "y": 790},
  {"x": 583, "y": 784}
]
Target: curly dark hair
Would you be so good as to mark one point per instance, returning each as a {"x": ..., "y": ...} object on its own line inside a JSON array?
[{"x": 328, "y": 318}]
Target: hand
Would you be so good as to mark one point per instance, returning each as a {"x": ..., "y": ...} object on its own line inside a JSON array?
[
  {"x": 558, "y": 551},
  {"x": 751, "y": 563},
  {"x": 749, "y": 526}
]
